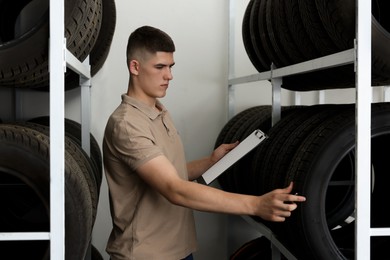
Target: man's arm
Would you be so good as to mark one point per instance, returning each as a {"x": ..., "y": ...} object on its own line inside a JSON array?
[{"x": 162, "y": 176}]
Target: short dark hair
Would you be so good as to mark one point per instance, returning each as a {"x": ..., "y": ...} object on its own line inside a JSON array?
[{"x": 147, "y": 39}]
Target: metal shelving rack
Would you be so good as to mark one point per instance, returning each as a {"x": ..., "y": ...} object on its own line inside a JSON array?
[
  {"x": 59, "y": 59},
  {"x": 360, "y": 55}
]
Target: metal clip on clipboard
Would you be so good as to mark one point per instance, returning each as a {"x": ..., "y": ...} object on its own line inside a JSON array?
[{"x": 233, "y": 156}]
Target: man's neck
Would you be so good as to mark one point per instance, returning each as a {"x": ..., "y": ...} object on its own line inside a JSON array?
[{"x": 140, "y": 96}]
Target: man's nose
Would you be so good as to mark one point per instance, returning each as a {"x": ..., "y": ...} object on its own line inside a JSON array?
[{"x": 169, "y": 74}]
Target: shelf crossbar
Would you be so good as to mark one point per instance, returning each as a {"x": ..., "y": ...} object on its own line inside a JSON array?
[
  {"x": 13, "y": 236},
  {"x": 265, "y": 231},
  {"x": 329, "y": 61},
  {"x": 82, "y": 68}
]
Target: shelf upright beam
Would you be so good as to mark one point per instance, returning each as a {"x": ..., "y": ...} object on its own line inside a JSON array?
[
  {"x": 276, "y": 96},
  {"x": 84, "y": 71},
  {"x": 386, "y": 94},
  {"x": 85, "y": 88},
  {"x": 363, "y": 129},
  {"x": 85, "y": 85},
  {"x": 277, "y": 247},
  {"x": 57, "y": 67},
  {"x": 231, "y": 57}
]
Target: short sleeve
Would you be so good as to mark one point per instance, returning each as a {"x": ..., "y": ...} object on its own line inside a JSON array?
[{"x": 134, "y": 143}]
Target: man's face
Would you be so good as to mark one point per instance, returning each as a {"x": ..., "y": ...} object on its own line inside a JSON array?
[{"x": 155, "y": 73}]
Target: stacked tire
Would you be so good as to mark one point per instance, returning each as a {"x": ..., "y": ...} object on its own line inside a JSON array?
[
  {"x": 24, "y": 32},
  {"x": 25, "y": 192},
  {"x": 286, "y": 32},
  {"x": 24, "y": 147},
  {"x": 313, "y": 146}
]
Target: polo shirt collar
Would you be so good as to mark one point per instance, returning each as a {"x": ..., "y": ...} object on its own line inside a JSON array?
[{"x": 147, "y": 110}]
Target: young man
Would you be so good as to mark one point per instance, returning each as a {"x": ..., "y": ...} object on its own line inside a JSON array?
[{"x": 151, "y": 192}]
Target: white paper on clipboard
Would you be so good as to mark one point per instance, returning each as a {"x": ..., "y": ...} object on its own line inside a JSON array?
[{"x": 233, "y": 156}]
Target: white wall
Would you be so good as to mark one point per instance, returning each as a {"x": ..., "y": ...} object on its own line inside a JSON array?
[{"x": 197, "y": 97}]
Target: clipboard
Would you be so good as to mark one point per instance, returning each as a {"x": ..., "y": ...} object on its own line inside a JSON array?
[{"x": 233, "y": 156}]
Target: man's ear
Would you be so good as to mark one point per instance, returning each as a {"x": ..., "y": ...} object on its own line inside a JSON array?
[{"x": 134, "y": 67}]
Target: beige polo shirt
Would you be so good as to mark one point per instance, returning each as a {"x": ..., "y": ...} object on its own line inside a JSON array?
[{"x": 145, "y": 224}]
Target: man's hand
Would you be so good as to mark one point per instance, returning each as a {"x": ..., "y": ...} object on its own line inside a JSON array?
[
  {"x": 278, "y": 204},
  {"x": 221, "y": 151}
]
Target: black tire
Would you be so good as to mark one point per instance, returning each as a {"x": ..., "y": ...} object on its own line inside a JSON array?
[
  {"x": 284, "y": 138},
  {"x": 338, "y": 19},
  {"x": 238, "y": 174},
  {"x": 318, "y": 28},
  {"x": 297, "y": 29},
  {"x": 19, "y": 56},
  {"x": 380, "y": 48},
  {"x": 80, "y": 156},
  {"x": 263, "y": 158},
  {"x": 273, "y": 33},
  {"x": 264, "y": 36},
  {"x": 95, "y": 254},
  {"x": 333, "y": 78},
  {"x": 101, "y": 48},
  {"x": 32, "y": 146},
  {"x": 24, "y": 57},
  {"x": 252, "y": 34},
  {"x": 226, "y": 135},
  {"x": 73, "y": 131},
  {"x": 24, "y": 192},
  {"x": 315, "y": 29},
  {"x": 223, "y": 135},
  {"x": 325, "y": 157},
  {"x": 73, "y": 128},
  {"x": 242, "y": 174},
  {"x": 283, "y": 34},
  {"x": 258, "y": 248}
]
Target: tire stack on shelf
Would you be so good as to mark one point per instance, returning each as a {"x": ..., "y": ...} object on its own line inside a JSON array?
[
  {"x": 290, "y": 31},
  {"x": 24, "y": 33},
  {"x": 24, "y": 146},
  {"x": 313, "y": 146},
  {"x": 25, "y": 193}
]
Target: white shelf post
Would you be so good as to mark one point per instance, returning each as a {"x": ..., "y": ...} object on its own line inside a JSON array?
[
  {"x": 363, "y": 130},
  {"x": 231, "y": 57},
  {"x": 57, "y": 67}
]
